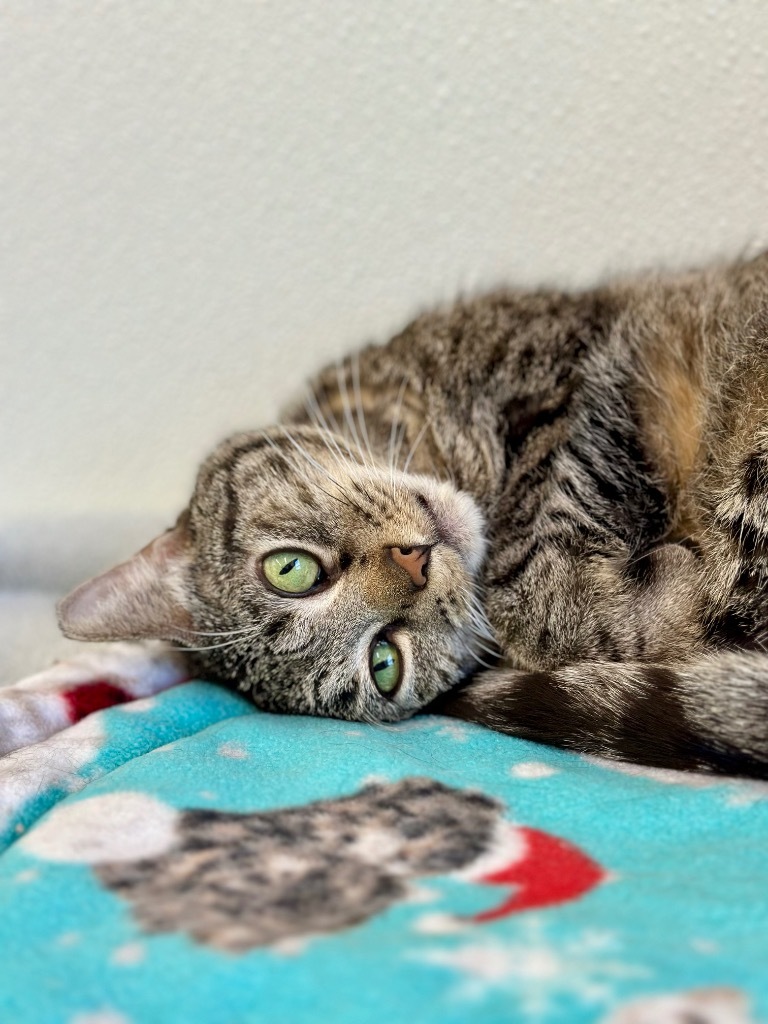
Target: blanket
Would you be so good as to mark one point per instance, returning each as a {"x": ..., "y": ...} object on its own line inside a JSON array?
[{"x": 182, "y": 856}]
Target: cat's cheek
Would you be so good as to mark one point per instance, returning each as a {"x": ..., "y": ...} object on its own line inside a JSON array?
[{"x": 104, "y": 829}]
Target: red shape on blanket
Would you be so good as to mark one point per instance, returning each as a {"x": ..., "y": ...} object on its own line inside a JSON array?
[
  {"x": 94, "y": 696},
  {"x": 550, "y": 871}
]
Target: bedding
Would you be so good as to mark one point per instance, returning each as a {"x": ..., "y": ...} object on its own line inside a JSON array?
[{"x": 177, "y": 855}]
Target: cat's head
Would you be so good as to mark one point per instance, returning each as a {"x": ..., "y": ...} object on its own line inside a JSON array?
[{"x": 321, "y": 581}]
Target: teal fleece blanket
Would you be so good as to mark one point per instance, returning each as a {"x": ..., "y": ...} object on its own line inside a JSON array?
[{"x": 185, "y": 857}]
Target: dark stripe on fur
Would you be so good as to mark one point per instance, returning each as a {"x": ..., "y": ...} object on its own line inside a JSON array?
[
  {"x": 755, "y": 476},
  {"x": 522, "y": 428},
  {"x": 645, "y": 723}
]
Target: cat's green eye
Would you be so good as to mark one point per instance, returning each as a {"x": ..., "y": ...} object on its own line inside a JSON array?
[
  {"x": 386, "y": 666},
  {"x": 292, "y": 572}
]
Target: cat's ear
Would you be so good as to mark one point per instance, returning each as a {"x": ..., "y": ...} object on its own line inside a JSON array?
[{"x": 143, "y": 598}]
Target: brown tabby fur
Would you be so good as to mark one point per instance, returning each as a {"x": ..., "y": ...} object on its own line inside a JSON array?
[{"x": 591, "y": 471}]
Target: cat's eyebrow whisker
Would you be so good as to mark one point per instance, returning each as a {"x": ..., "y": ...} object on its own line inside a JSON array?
[
  {"x": 348, "y": 417},
  {"x": 394, "y": 430},
  {"x": 416, "y": 444},
  {"x": 359, "y": 406},
  {"x": 328, "y": 435},
  {"x": 347, "y": 455},
  {"x": 318, "y": 465},
  {"x": 309, "y": 458},
  {"x": 327, "y": 418},
  {"x": 347, "y": 500},
  {"x": 402, "y": 430}
]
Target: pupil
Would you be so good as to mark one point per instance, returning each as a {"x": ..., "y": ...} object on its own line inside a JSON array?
[
  {"x": 386, "y": 663},
  {"x": 288, "y": 566}
]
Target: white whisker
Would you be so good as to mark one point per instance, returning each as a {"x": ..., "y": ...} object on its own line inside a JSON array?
[
  {"x": 359, "y": 406},
  {"x": 348, "y": 417},
  {"x": 415, "y": 445},
  {"x": 216, "y": 632},
  {"x": 227, "y": 643},
  {"x": 305, "y": 454},
  {"x": 395, "y": 431},
  {"x": 328, "y": 435}
]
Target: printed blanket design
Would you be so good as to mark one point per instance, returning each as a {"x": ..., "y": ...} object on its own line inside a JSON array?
[{"x": 183, "y": 856}]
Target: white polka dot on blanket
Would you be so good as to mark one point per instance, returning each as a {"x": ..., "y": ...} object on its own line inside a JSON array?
[
  {"x": 100, "y": 1017},
  {"x": 233, "y": 750},
  {"x": 112, "y": 827},
  {"x": 532, "y": 770},
  {"x": 128, "y": 955}
]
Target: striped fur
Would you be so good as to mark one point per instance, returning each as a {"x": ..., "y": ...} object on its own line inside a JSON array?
[{"x": 608, "y": 451}]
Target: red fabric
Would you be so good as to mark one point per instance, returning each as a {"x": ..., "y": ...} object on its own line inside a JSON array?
[
  {"x": 552, "y": 871},
  {"x": 89, "y": 697}
]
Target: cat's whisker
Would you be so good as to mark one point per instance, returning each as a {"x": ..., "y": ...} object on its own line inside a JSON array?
[
  {"x": 356, "y": 390},
  {"x": 490, "y": 651},
  {"x": 481, "y": 661},
  {"x": 402, "y": 433},
  {"x": 367, "y": 716},
  {"x": 328, "y": 435},
  {"x": 415, "y": 445},
  {"x": 348, "y": 416},
  {"x": 217, "y": 632},
  {"x": 335, "y": 428},
  {"x": 481, "y": 629},
  {"x": 394, "y": 430},
  {"x": 226, "y": 643},
  {"x": 330, "y": 431},
  {"x": 347, "y": 500},
  {"x": 478, "y": 617}
]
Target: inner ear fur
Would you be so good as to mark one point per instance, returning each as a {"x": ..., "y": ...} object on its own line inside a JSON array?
[{"x": 143, "y": 598}]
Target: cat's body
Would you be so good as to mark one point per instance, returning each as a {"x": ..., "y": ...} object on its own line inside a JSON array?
[{"x": 582, "y": 477}]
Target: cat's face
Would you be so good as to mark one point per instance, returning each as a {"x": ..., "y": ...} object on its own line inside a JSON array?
[{"x": 321, "y": 582}]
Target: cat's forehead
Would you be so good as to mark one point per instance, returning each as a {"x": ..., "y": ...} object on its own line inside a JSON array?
[
  {"x": 267, "y": 462},
  {"x": 248, "y": 470},
  {"x": 273, "y": 483}
]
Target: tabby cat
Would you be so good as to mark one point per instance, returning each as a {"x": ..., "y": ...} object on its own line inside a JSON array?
[{"x": 540, "y": 511}]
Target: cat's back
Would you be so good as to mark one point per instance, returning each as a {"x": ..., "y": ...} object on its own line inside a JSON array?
[
  {"x": 494, "y": 370},
  {"x": 682, "y": 337}
]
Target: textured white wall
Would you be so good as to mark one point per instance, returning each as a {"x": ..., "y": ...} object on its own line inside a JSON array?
[{"x": 202, "y": 202}]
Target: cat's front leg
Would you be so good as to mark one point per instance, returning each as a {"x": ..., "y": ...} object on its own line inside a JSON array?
[
  {"x": 35, "y": 708},
  {"x": 585, "y": 604}
]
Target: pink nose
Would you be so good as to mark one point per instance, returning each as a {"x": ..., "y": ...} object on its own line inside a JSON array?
[{"x": 414, "y": 561}]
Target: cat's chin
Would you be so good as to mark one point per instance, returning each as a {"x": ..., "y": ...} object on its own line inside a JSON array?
[{"x": 458, "y": 521}]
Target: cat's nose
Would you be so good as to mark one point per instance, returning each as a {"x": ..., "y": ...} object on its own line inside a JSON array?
[{"x": 414, "y": 560}]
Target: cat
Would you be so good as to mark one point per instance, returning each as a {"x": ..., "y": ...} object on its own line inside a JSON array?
[{"x": 540, "y": 511}]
